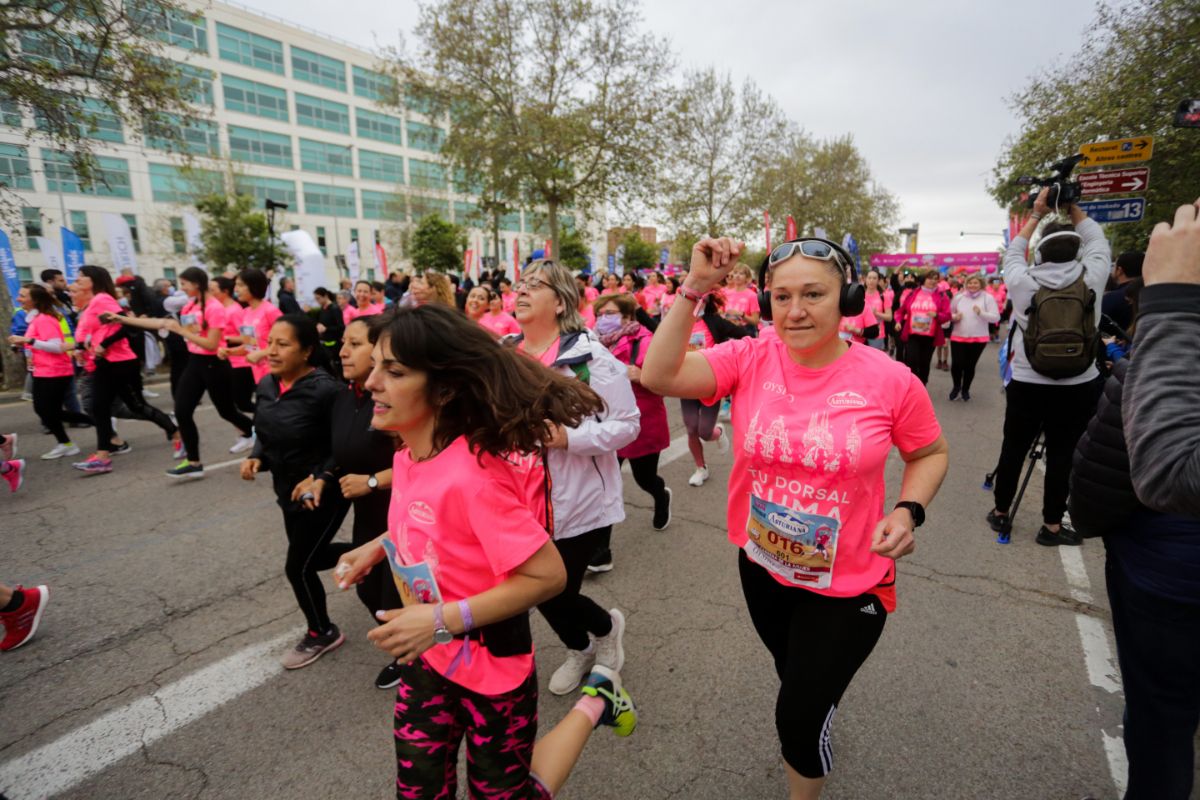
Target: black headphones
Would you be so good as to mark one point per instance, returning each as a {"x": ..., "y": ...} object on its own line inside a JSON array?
[{"x": 853, "y": 298}]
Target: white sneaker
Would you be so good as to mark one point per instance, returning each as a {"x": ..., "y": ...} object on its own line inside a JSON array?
[
  {"x": 698, "y": 477},
  {"x": 243, "y": 444},
  {"x": 149, "y": 393},
  {"x": 610, "y": 650},
  {"x": 722, "y": 440},
  {"x": 577, "y": 666},
  {"x": 61, "y": 450}
]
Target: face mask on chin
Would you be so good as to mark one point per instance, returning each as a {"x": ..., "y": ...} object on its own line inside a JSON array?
[{"x": 608, "y": 323}]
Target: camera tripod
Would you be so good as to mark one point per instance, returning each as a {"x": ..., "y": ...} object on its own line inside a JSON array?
[{"x": 1037, "y": 451}]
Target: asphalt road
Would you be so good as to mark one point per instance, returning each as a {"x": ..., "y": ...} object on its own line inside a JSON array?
[{"x": 153, "y": 675}]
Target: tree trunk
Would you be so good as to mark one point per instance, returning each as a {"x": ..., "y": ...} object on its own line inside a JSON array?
[
  {"x": 14, "y": 371},
  {"x": 552, "y": 210},
  {"x": 496, "y": 237}
]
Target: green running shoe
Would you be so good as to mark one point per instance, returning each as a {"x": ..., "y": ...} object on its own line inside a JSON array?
[{"x": 619, "y": 712}]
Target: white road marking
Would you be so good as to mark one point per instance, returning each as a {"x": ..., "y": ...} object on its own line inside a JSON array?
[
  {"x": 676, "y": 450},
  {"x": 87, "y": 750}
]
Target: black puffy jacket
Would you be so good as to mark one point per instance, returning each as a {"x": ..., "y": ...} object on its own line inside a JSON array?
[
  {"x": 292, "y": 431},
  {"x": 1102, "y": 497}
]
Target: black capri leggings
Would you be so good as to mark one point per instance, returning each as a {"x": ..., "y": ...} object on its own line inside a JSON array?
[
  {"x": 243, "y": 389},
  {"x": 123, "y": 379},
  {"x": 818, "y": 644},
  {"x": 645, "y": 474},
  {"x": 573, "y": 615},
  {"x": 311, "y": 550},
  {"x": 48, "y": 397},
  {"x": 204, "y": 372},
  {"x": 963, "y": 358},
  {"x": 918, "y": 352}
]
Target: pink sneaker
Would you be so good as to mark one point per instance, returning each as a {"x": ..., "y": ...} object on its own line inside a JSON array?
[
  {"x": 22, "y": 624},
  {"x": 15, "y": 475}
]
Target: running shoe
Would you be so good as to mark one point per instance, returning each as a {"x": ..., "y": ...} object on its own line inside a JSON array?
[
  {"x": 95, "y": 465},
  {"x": 27, "y": 397},
  {"x": 388, "y": 677},
  {"x": 995, "y": 521},
  {"x": 121, "y": 449},
  {"x": 619, "y": 711},
  {"x": 1063, "y": 536},
  {"x": 22, "y": 624},
  {"x": 966, "y": 394},
  {"x": 8, "y": 450},
  {"x": 243, "y": 444},
  {"x": 601, "y": 561},
  {"x": 177, "y": 450},
  {"x": 567, "y": 677},
  {"x": 722, "y": 440},
  {"x": 60, "y": 450},
  {"x": 149, "y": 393},
  {"x": 724, "y": 413},
  {"x": 610, "y": 650},
  {"x": 186, "y": 470},
  {"x": 698, "y": 477},
  {"x": 954, "y": 393},
  {"x": 15, "y": 474},
  {"x": 312, "y": 647},
  {"x": 662, "y": 510}
]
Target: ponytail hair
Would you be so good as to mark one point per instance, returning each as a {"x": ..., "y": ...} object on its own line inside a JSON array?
[
  {"x": 102, "y": 282},
  {"x": 42, "y": 300},
  {"x": 200, "y": 278}
]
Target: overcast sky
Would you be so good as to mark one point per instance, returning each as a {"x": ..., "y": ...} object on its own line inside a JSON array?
[{"x": 921, "y": 84}]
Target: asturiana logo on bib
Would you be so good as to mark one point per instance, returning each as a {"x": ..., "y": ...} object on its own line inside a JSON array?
[
  {"x": 788, "y": 525},
  {"x": 421, "y": 512},
  {"x": 846, "y": 400}
]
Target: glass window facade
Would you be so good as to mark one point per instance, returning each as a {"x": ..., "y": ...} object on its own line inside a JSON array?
[
  {"x": 260, "y": 147},
  {"x": 426, "y": 174},
  {"x": 131, "y": 221},
  {"x": 171, "y": 184},
  {"x": 198, "y": 83},
  {"x": 382, "y": 205},
  {"x": 331, "y": 159},
  {"x": 335, "y": 201},
  {"x": 380, "y": 167},
  {"x": 10, "y": 113},
  {"x": 261, "y": 189},
  {"x": 14, "y": 167},
  {"x": 178, "y": 240},
  {"x": 110, "y": 177},
  {"x": 425, "y": 137},
  {"x": 32, "y": 217},
  {"x": 467, "y": 214},
  {"x": 424, "y": 206},
  {"x": 251, "y": 97},
  {"x": 315, "y": 68},
  {"x": 373, "y": 85},
  {"x": 324, "y": 114},
  {"x": 244, "y": 47},
  {"x": 180, "y": 28},
  {"x": 380, "y": 127},
  {"x": 510, "y": 222},
  {"x": 101, "y": 121},
  {"x": 200, "y": 136},
  {"x": 79, "y": 224}
]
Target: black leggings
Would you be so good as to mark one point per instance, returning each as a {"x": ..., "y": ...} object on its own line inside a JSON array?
[
  {"x": 310, "y": 550},
  {"x": 209, "y": 373},
  {"x": 963, "y": 358},
  {"x": 918, "y": 352},
  {"x": 48, "y": 397},
  {"x": 645, "y": 474},
  {"x": 123, "y": 379},
  {"x": 573, "y": 615},
  {"x": 377, "y": 591},
  {"x": 243, "y": 389},
  {"x": 818, "y": 643}
]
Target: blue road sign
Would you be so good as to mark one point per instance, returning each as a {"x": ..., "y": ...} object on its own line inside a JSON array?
[
  {"x": 1131, "y": 209},
  {"x": 612, "y": 263}
]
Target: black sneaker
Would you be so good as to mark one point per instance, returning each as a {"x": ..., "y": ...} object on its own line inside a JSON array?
[
  {"x": 601, "y": 561},
  {"x": 966, "y": 394},
  {"x": 312, "y": 647},
  {"x": 186, "y": 470},
  {"x": 954, "y": 393},
  {"x": 1064, "y": 536},
  {"x": 388, "y": 677},
  {"x": 120, "y": 449},
  {"x": 662, "y": 510},
  {"x": 996, "y": 521}
]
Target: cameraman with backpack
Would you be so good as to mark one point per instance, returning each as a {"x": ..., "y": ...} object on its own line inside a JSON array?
[{"x": 1055, "y": 385}]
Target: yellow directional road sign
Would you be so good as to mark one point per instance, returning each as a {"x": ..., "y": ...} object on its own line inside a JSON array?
[{"x": 1117, "y": 151}]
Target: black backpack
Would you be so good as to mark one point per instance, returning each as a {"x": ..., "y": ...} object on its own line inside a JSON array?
[{"x": 1061, "y": 338}]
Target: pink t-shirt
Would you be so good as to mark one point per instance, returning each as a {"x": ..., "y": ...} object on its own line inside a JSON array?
[
  {"x": 652, "y": 297},
  {"x": 348, "y": 314},
  {"x": 668, "y": 300},
  {"x": 45, "y": 328},
  {"x": 922, "y": 314},
  {"x": 371, "y": 310},
  {"x": 501, "y": 324},
  {"x": 860, "y": 321},
  {"x": 257, "y": 322},
  {"x": 591, "y": 293},
  {"x": 744, "y": 301},
  {"x": 701, "y": 337},
  {"x": 233, "y": 327},
  {"x": 510, "y": 302},
  {"x": 92, "y": 333},
  {"x": 202, "y": 322},
  {"x": 588, "y": 312},
  {"x": 879, "y": 303},
  {"x": 810, "y": 447},
  {"x": 471, "y": 524}
]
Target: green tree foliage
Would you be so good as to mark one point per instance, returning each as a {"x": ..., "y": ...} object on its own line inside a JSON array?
[
  {"x": 1137, "y": 62},
  {"x": 718, "y": 138},
  {"x": 572, "y": 251},
  {"x": 437, "y": 245},
  {"x": 827, "y": 184},
  {"x": 639, "y": 254},
  {"x": 233, "y": 235},
  {"x": 562, "y": 93},
  {"x": 68, "y": 64}
]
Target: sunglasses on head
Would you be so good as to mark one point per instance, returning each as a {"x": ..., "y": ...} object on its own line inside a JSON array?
[{"x": 809, "y": 248}]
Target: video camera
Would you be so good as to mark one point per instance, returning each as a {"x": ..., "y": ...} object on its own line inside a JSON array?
[{"x": 1063, "y": 190}]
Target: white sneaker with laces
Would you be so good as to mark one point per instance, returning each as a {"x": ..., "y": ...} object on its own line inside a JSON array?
[
  {"x": 243, "y": 444},
  {"x": 610, "y": 650},
  {"x": 61, "y": 450},
  {"x": 698, "y": 477},
  {"x": 577, "y": 666},
  {"x": 722, "y": 440}
]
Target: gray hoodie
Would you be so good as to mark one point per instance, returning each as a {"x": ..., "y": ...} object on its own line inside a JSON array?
[{"x": 1023, "y": 282}]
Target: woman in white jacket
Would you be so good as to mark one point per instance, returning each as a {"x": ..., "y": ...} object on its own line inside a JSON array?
[
  {"x": 587, "y": 494},
  {"x": 972, "y": 310}
]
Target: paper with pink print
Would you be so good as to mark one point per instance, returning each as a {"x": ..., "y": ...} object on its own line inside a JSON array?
[{"x": 415, "y": 582}]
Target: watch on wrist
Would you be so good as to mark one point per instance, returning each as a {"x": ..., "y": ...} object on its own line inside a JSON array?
[
  {"x": 916, "y": 509},
  {"x": 441, "y": 634},
  {"x": 372, "y": 483}
]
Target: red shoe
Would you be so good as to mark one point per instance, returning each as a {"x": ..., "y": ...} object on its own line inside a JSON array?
[
  {"x": 15, "y": 475},
  {"x": 20, "y": 625}
]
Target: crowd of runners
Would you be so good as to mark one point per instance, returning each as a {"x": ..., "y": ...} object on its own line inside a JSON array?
[{"x": 477, "y": 432}]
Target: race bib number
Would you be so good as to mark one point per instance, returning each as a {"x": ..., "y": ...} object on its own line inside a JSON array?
[
  {"x": 696, "y": 342},
  {"x": 415, "y": 582},
  {"x": 922, "y": 323},
  {"x": 246, "y": 331},
  {"x": 798, "y": 547},
  {"x": 845, "y": 336},
  {"x": 187, "y": 320}
]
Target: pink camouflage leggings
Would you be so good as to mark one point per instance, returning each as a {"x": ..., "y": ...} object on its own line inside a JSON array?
[{"x": 433, "y": 714}]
